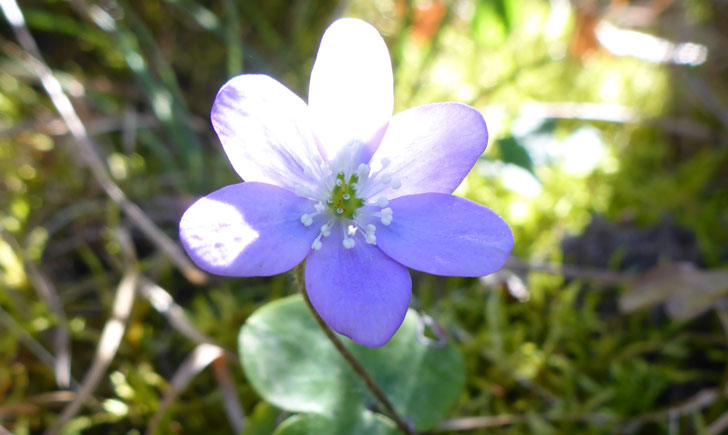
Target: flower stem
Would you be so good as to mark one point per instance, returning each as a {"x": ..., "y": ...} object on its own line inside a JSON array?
[{"x": 351, "y": 359}]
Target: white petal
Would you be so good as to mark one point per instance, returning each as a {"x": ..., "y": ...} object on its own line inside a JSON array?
[
  {"x": 265, "y": 130},
  {"x": 351, "y": 89}
]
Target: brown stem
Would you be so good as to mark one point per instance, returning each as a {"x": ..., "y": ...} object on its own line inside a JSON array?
[{"x": 353, "y": 362}]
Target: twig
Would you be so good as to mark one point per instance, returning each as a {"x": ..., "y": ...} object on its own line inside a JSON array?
[
  {"x": 201, "y": 357},
  {"x": 707, "y": 97},
  {"x": 37, "y": 349},
  {"x": 87, "y": 148},
  {"x": 47, "y": 292},
  {"x": 701, "y": 400},
  {"x": 163, "y": 302},
  {"x": 233, "y": 408},
  {"x": 95, "y": 127},
  {"x": 34, "y": 404},
  {"x": 471, "y": 423},
  {"x": 718, "y": 426},
  {"x": 108, "y": 345},
  {"x": 351, "y": 360},
  {"x": 697, "y": 402},
  {"x": 571, "y": 271}
]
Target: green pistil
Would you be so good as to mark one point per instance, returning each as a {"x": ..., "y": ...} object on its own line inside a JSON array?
[{"x": 343, "y": 199}]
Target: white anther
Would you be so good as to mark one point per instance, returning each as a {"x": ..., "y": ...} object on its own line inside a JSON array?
[
  {"x": 317, "y": 244},
  {"x": 382, "y": 202},
  {"x": 371, "y": 239},
  {"x": 386, "y": 220},
  {"x": 386, "y": 178},
  {"x": 387, "y": 211},
  {"x": 396, "y": 184},
  {"x": 346, "y": 196},
  {"x": 348, "y": 243},
  {"x": 339, "y": 210},
  {"x": 325, "y": 230},
  {"x": 351, "y": 230},
  {"x": 306, "y": 219},
  {"x": 371, "y": 228},
  {"x": 363, "y": 170},
  {"x": 319, "y": 207},
  {"x": 385, "y": 162}
]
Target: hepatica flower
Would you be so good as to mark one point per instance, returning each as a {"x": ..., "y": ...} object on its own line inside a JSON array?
[{"x": 360, "y": 194}]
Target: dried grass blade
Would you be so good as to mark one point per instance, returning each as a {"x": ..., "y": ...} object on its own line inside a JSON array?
[
  {"x": 201, "y": 357},
  {"x": 108, "y": 345}
]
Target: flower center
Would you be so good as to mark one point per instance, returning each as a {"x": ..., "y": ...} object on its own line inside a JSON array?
[
  {"x": 347, "y": 198},
  {"x": 344, "y": 201}
]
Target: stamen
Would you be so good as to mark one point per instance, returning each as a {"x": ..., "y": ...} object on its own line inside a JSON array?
[
  {"x": 349, "y": 195},
  {"x": 386, "y": 216},
  {"x": 306, "y": 219},
  {"x": 363, "y": 170}
]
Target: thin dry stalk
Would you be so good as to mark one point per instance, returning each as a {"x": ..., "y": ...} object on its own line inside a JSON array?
[
  {"x": 165, "y": 304},
  {"x": 47, "y": 292},
  {"x": 570, "y": 271},
  {"x": 37, "y": 349},
  {"x": 719, "y": 426},
  {"x": 108, "y": 345},
  {"x": 359, "y": 370},
  {"x": 201, "y": 357},
  {"x": 233, "y": 408},
  {"x": 697, "y": 402}
]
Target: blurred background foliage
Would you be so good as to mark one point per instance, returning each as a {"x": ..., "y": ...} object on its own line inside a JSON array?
[{"x": 608, "y": 155}]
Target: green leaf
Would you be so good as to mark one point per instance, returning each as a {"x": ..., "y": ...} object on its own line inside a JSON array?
[
  {"x": 491, "y": 23},
  {"x": 262, "y": 421},
  {"x": 511, "y": 151},
  {"x": 363, "y": 423},
  {"x": 289, "y": 361}
]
